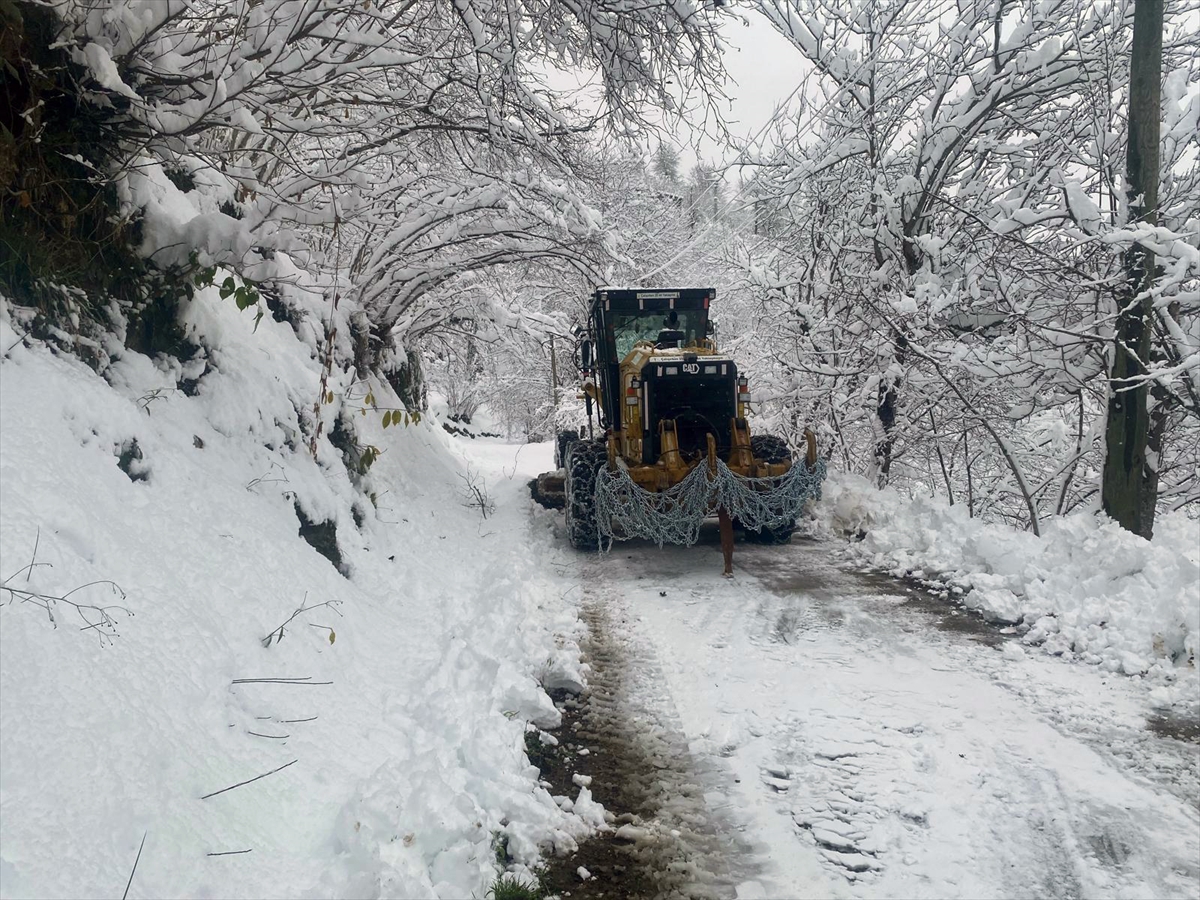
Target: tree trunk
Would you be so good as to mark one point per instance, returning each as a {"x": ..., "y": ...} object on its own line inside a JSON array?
[
  {"x": 1130, "y": 481},
  {"x": 889, "y": 394}
]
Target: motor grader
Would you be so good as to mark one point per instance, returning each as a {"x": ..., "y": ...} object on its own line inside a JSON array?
[{"x": 667, "y": 401}]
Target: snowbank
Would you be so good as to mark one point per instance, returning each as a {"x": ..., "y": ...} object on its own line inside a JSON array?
[
  {"x": 1085, "y": 587},
  {"x": 171, "y": 517}
]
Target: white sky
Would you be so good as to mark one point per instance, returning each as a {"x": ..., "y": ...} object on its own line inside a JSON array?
[{"x": 763, "y": 69}]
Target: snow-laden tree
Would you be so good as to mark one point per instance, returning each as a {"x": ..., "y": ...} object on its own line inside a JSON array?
[
  {"x": 519, "y": 365},
  {"x": 941, "y": 256},
  {"x": 391, "y": 146},
  {"x": 666, "y": 163},
  {"x": 653, "y": 238}
]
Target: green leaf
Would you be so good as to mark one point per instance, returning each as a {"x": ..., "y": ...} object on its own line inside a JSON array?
[
  {"x": 227, "y": 287},
  {"x": 387, "y": 418}
]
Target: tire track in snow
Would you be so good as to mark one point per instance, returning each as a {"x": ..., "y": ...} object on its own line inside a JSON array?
[{"x": 670, "y": 838}]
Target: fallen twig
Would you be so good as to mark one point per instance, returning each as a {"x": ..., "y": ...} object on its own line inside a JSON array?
[
  {"x": 276, "y": 634},
  {"x": 103, "y": 620},
  {"x": 37, "y": 539},
  {"x": 93, "y": 616},
  {"x": 135, "y": 864},
  {"x": 249, "y": 780},
  {"x": 144, "y": 401},
  {"x": 230, "y": 852},
  {"x": 304, "y": 680},
  {"x": 268, "y": 478},
  {"x": 475, "y": 494}
]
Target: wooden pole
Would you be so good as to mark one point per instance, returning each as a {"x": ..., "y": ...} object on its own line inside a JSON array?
[
  {"x": 1130, "y": 481},
  {"x": 553, "y": 373}
]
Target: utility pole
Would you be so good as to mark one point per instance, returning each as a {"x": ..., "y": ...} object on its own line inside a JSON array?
[
  {"x": 1130, "y": 483},
  {"x": 553, "y": 374}
]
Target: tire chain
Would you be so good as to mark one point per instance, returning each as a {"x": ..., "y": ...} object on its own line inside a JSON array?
[{"x": 583, "y": 460}]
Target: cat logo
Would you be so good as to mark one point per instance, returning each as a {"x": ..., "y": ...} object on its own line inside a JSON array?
[{"x": 691, "y": 368}]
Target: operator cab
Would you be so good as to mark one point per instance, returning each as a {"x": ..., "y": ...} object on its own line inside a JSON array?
[
  {"x": 672, "y": 336},
  {"x": 676, "y": 374}
]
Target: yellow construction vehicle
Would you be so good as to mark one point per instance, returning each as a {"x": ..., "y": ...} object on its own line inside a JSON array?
[{"x": 668, "y": 401}]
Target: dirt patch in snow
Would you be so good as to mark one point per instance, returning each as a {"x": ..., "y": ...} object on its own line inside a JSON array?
[
  {"x": 945, "y": 614},
  {"x": 1181, "y": 728},
  {"x": 664, "y": 842},
  {"x": 782, "y": 576}
]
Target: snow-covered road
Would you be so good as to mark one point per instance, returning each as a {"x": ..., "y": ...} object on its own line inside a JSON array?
[
  {"x": 816, "y": 731},
  {"x": 870, "y": 753}
]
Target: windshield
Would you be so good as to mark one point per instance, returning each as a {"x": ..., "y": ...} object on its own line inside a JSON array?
[{"x": 628, "y": 329}]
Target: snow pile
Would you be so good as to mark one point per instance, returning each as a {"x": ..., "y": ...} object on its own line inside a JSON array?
[
  {"x": 1085, "y": 586},
  {"x": 388, "y": 720}
]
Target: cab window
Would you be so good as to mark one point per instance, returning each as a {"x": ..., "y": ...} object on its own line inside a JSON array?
[{"x": 629, "y": 328}]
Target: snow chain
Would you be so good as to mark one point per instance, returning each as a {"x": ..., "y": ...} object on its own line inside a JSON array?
[{"x": 624, "y": 510}]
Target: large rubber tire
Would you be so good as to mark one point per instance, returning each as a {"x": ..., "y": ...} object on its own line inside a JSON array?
[
  {"x": 770, "y": 449},
  {"x": 584, "y": 460},
  {"x": 561, "y": 445}
]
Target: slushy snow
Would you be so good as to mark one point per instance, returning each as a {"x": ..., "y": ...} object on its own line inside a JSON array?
[{"x": 1086, "y": 587}]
